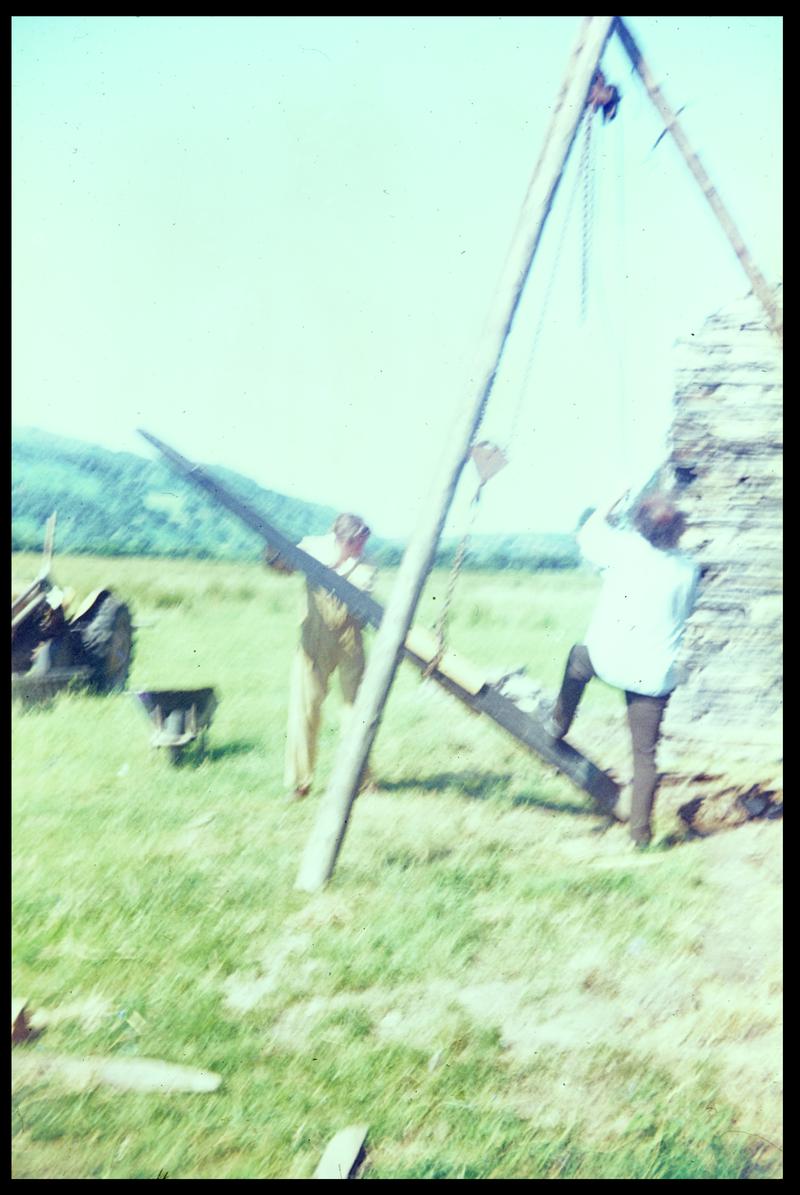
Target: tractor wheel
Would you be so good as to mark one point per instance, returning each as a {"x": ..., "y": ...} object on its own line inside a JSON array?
[{"x": 107, "y": 642}]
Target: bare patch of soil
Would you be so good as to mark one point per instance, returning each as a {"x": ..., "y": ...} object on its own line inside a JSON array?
[
  {"x": 714, "y": 1003},
  {"x": 705, "y": 795}
]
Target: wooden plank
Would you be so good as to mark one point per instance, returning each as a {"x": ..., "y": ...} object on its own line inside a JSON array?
[
  {"x": 529, "y": 732},
  {"x": 342, "y": 1153},
  {"x": 121, "y": 1074},
  {"x": 322, "y": 849},
  {"x": 424, "y": 644}
]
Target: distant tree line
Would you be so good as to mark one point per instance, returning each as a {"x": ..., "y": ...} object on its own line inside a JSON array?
[
  {"x": 526, "y": 552},
  {"x": 120, "y": 504}
]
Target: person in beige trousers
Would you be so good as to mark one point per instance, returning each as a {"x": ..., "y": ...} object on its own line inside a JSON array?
[{"x": 331, "y": 638}]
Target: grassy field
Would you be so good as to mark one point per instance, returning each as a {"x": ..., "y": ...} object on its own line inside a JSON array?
[{"x": 491, "y": 980}]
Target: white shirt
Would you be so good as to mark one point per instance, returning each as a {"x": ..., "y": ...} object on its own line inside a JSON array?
[{"x": 646, "y": 598}]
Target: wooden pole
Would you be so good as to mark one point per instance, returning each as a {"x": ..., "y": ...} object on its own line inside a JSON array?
[
  {"x": 322, "y": 848},
  {"x": 49, "y": 544},
  {"x": 757, "y": 280}
]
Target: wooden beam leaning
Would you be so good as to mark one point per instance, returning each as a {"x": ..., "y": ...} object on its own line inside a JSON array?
[
  {"x": 668, "y": 115},
  {"x": 359, "y": 602},
  {"x": 528, "y": 731},
  {"x": 478, "y": 698},
  {"x": 323, "y": 846}
]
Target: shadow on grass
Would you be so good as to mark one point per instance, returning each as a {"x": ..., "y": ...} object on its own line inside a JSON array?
[
  {"x": 483, "y": 785},
  {"x": 193, "y": 757},
  {"x": 473, "y": 784},
  {"x": 536, "y": 802}
]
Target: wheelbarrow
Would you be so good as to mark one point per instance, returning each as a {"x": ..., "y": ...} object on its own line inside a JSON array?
[{"x": 179, "y": 715}]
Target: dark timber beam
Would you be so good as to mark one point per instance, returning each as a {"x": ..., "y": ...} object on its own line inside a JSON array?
[{"x": 486, "y": 701}]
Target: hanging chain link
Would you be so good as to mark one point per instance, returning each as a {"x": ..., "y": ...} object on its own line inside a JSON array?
[{"x": 455, "y": 571}]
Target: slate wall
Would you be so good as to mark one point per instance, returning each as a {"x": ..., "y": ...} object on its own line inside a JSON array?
[{"x": 726, "y": 466}]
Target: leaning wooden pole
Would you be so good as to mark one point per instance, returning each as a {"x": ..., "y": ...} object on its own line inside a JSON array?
[
  {"x": 757, "y": 280},
  {"x": 322, "y": 848}
]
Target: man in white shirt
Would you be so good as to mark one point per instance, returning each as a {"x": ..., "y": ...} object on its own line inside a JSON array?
[
  {"x": 330, "y": 639},
  {"x": 632, "y": 642}
]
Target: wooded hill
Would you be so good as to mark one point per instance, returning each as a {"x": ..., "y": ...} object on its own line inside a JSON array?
[{"x": 122, "y": 504}]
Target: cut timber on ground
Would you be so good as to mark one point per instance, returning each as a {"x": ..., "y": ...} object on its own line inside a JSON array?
[
  {"x": 343, "y": 1153},
  {"x": 120, "y": 1074}
]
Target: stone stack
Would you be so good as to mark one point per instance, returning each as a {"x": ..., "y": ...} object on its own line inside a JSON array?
[{"x": 726, "y": 466}]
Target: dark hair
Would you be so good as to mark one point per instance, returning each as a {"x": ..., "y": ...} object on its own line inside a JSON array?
[
  {"x": 658, "y": 519},
  {"x": 349, "y": 527}
]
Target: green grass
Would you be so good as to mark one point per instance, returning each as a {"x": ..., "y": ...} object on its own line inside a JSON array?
[{"x": 474, "y": 983}]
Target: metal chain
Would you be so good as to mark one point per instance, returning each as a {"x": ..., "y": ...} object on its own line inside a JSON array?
[{"x": 455, "y": 572}]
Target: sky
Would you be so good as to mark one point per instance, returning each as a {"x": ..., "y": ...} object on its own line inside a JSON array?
[{"x": 273, "y": 241}]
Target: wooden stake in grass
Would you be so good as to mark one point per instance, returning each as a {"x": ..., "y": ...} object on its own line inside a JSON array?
[{"x": 325, "y": 841}]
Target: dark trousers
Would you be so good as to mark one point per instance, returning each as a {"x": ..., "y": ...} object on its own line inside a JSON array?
[{"x": 644, "y": 721}]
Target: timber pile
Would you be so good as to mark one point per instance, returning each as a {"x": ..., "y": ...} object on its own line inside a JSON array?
[{"x": 726, "y": 461}]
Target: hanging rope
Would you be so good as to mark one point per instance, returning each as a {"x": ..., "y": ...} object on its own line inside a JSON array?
[
  {"x": 488, "y": 460},
  {"x": 545, "y": 308},
  {"x": 441, "y": 625}
]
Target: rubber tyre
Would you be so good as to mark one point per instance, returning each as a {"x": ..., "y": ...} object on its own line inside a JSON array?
[{"x": 107, "y": 643}]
